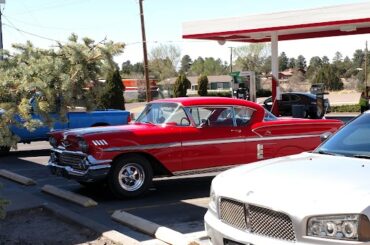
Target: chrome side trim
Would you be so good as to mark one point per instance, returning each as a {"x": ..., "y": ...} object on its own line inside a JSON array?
[
  {"x": 143, "y": 147},
  {"x": 206, "y": 142},
  {"x": 259, "y": 151},
  {"x": 204, "y": 170},
  {"x": 99, "y": 142},
  {"x": 211, "y": 142}
]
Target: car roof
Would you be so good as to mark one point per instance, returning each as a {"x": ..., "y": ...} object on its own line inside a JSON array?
[
  {"x": 193, "y": 101},
  {"x": 300, "y": 93}
]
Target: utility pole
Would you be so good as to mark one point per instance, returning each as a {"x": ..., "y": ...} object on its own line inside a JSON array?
[
  {"x": 366, "y": 92},
  {"x": 231, "y": 59},
  {"x": 1, "y": 32},
  {"x": 146, "y": 69}
]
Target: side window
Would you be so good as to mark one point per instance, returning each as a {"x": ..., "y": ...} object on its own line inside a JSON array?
[
  {"x": 243, "y": 115},
  {"x": 213, "y": 116},
  {"x": 179, "y": 117}
]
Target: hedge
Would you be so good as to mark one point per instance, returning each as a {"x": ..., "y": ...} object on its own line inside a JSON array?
[{"x": 346, "y": 108}]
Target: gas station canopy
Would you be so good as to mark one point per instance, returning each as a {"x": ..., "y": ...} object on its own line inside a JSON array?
[{"x": 349, "y": 19}]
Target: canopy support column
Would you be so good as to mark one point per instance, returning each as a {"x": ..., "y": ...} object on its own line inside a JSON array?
[{"x": 275, "y": 74}]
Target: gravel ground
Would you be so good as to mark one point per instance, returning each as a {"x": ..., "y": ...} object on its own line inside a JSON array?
[{"x": 39, "y": 227}]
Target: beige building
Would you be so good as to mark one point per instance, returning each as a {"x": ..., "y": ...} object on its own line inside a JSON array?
[{"x": 222, "y": 83}]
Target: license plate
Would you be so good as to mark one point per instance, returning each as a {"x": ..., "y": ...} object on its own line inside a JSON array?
[{"x": 229, "y": 242}]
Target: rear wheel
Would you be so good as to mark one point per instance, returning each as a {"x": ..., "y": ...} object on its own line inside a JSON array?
[
  {"x": 4, "y": 150},
  {"x": 130, "y": 176}
]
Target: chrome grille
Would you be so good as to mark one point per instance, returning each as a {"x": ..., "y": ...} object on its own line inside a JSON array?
[
  {"x": 233, "y": 213},
  {"x": 270, "y": 223},
  {"x": 73, "y": 160},
  {"x": 256, "y": 220}
]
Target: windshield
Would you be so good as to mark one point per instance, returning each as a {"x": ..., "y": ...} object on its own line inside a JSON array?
[
  {"x": 159, "y": 113},
  {"x": 269, "y": 116},
  {"x": 353, "y": 140}
]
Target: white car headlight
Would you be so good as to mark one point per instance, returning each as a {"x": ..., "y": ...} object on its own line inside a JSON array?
[
  {"x": 213, "y": 201},
  {"x": 343, "y": 227}
]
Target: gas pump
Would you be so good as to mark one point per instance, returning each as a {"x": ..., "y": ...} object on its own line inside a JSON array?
[{"x": 244, "y": 85}]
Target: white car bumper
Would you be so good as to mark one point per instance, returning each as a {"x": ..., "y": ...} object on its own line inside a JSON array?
[{"x": 220, "y": 233}]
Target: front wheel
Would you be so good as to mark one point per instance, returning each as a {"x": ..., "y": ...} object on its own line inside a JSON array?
[
  {"x": 130, "y": 176},
  {"x": 4, "y": 150}
]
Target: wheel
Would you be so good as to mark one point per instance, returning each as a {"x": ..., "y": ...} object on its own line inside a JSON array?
[
  {"x": 130, "y": 176},
  {"x": 305, "y": 114},
  {"x": 4, "y": 150}
]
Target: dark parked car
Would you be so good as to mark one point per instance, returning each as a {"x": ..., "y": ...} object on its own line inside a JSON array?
[{"x": 307, "y": 100}]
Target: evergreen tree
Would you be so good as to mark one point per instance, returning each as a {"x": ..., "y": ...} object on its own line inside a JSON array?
[
  {"x": 328, "y": 76},
  {"x": 181, "y": 85},
  {"x": 185, "y": 63},
  {"x": 283, "y": 62},
  {"x": 292, "y": 63},
  {"x": 112, "y": 96},
  {"x": 301, "y": 62},
  {"x": 59, "y": 75},
  {"x": 203, "y": 85},
  {"x": 314, "y": 67}
]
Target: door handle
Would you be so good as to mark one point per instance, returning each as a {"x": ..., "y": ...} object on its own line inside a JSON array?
[{"x": 236, "y": 130}]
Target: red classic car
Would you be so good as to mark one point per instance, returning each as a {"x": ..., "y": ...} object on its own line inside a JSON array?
[{"x": 180, "y": 136}]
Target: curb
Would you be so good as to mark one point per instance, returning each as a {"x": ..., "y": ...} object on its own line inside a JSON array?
[
  {"x": 70, "y": 196},
  {"x": 106, "y": 232},
  {"x": 160, "y": 232},
  {"x": 17, "y": 178}
]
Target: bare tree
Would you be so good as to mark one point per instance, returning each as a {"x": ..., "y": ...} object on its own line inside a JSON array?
[{"x": 163, "y": 60}]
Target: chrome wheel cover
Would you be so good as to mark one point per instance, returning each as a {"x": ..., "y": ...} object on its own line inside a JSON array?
[{"x": 131, "y": 177}]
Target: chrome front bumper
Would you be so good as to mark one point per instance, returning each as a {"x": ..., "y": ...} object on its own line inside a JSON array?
[{"x": 87, "y": 169}]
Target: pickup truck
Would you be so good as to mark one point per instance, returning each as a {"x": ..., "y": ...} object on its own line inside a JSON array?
[{"x": 75, "y": 120}]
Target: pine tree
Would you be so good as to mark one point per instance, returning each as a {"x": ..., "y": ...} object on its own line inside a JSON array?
[
  {"x": 181, "y": 85},
  {"x": 112, "y": 97},
  {"x": 57, "y": 79},
  {"x": 203, "y": 85}
]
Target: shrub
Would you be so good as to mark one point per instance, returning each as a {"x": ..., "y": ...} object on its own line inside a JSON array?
[
  {"x": 182, "y": 83},
  {"x": 112, "y": 96},
  {"x": 202, "y": 85},
  {"x": 346, "y": 108},
  {"x": 220, "y": 94}
]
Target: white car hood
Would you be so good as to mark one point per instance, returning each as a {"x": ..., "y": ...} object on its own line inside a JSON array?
[{"x": 302, "y": 184}]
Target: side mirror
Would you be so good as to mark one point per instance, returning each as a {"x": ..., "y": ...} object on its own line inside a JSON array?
[{"x": 325, "y": 136}]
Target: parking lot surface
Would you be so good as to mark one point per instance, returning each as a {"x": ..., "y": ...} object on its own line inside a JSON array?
[{"x": 176, "y": 203}]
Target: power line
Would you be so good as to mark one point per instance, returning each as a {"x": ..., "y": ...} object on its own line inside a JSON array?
[{"x": 29, "y": 33}]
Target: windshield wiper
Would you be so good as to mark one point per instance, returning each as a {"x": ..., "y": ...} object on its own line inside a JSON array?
[
  {"x": 362, "y": 156},
  {"x": 328, "y": 153}
]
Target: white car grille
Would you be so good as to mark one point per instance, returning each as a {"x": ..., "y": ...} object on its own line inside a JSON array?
[{"x": 256, "y": 220}]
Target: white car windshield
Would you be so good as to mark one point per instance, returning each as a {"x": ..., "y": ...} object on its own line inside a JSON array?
[
  {"x": 159, "y": 113},
  {"x": 353, "y": 140}
]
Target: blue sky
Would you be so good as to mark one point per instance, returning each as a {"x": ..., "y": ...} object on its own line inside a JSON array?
[{"x": 119, "y": 20}]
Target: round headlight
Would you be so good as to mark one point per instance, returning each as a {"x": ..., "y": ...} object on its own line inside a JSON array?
[
  {"x": 348, "y": 229},
  {"x": 330, "y": 229},
  {"x": 82, "y": 144},
  {"x": 53, "y": 141}
]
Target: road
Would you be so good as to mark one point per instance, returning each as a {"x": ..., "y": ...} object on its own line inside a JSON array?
[{"x": 177, "y": 203}]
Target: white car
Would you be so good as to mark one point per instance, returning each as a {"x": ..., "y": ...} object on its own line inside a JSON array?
[{"x": 321, "y": 197}]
